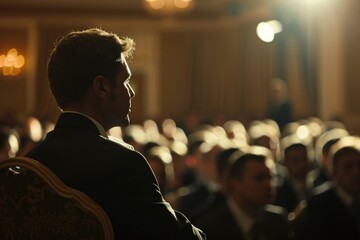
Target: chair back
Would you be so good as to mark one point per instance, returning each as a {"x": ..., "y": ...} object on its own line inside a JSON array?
[{"x": 36, "y": 204}]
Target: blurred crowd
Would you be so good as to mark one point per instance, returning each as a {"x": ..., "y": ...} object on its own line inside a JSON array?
[{"x": 194, "y": 165}]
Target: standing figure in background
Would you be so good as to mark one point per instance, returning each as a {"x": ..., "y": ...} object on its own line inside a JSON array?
[{"x": 280, "y": 107}]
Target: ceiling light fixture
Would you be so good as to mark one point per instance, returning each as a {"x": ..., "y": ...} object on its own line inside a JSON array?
[{"x": 168, "y": 7}]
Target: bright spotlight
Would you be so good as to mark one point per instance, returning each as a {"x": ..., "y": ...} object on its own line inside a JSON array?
[{"x": 266, "y": 30}]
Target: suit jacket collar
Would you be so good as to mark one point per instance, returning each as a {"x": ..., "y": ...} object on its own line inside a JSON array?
[{"x": 76, "y": 121}]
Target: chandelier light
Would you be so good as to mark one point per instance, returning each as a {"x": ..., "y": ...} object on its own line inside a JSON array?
[
  {"x": 11, "y": 63},
  {"x": 266, "y": 30},
  {"x": 168, "y": 7}
]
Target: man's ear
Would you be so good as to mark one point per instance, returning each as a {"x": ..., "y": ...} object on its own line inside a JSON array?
[{"x": 102, "y": 86}]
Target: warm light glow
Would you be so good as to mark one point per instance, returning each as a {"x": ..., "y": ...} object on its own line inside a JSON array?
[
  {"x": 14, "y": 145},
  {"x": 182, "y": 3},
  {"x": 115, "y": 132},
  {"x": 6, "y": 70},
  {"x": 266, "y": 30},
  {"x": 35, "y": 129},
  {"x": 12, "y": 62},
  {"x": 275, "y": 25},
  {"x": 156, "y": 4},
  {"x": 2, "y": 60},
  {"x": 19, "y": 61},
  {"x": 14, "y": 71},
  {"x": 313, "y": 3},
  {"x": 168, "y": 7},
  {"x": 303, "y": 132}
]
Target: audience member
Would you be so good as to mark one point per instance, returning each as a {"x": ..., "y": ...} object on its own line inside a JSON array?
[
  {"x": 200, "y": 179},
  {"x": 316, "y": 128},
  {"x": 221, "y": 192},
  {"x": 319, "y": 175},
  {"x": 236, "y": 132},
  {"x": 90, "y": 80},
  {"x": 31, "y": 133},
  {"x": 134, "y": 134},
  {"x": 160, "y": 160},
  {"x": 222, "y": 165},
  {"x": 178, "y": 151},
  {"x": 9, "y": 142},
  {"x": 265, "y": 135},
  {"x": 172, "y": 132},
  {"x": 330, "y": 213},
  {"x": 296, "y": 159},
  {"x": 247, "y": 212}
]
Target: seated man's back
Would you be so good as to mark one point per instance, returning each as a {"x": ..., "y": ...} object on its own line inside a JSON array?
[{"x": 90, "y": 80}]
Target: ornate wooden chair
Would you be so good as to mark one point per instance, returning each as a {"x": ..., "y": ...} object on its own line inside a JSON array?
[{"x": 36, "y": 204}]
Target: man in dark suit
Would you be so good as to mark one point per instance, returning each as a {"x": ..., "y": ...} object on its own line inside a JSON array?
[
  {"x": 330, "y": 213},
  {"x": 319, "y": 175},
  {"x": 90, "y": 80},
  {"x": 296, "y": 158},
  {"x": 247, "y": 213}
]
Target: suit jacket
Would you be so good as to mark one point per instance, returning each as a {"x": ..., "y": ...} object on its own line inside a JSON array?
[
  {"x": 286, "y": 196},
  {"x": 316, "y": 177},
  {"x": 200, "y": 195},
  {"x": 220, "y": 224},
  {"x": 115, "y": 176},
  {"x": 326, "y": 217}
]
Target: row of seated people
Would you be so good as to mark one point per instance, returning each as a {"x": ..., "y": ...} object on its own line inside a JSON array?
[
  {"x": 195, "y": 175},
  {"x": 17, "y": 137},
  {"x": 229, "y": 178}
]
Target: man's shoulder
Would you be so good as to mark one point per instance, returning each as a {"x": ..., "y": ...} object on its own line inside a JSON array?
[
  {"x": 275, "y": 210},
  {"x": 323, "y": 197},
  {"x": 323, "y": 192},
  {"x": 275, "y": 215},
  {"x": 120, "y": 142},
  {"x": 117, "y": 147}
]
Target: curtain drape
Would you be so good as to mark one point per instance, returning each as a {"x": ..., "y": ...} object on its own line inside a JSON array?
[{"x": 216, "y": 72}]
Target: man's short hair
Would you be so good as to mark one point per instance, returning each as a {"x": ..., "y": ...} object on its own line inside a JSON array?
[
  {"x": 345, "y": 145},
  {"x": 79, "y": 57},
  {"x": 254, "y": 153}
]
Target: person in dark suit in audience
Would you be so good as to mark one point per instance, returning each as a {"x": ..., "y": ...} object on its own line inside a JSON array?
[
  {"x": 90, "y": 80},
  {"x": 319, "y": 175},
  {"x": 295, "y": 157},
  {"x": 247, "y": 213},
  {"x": 9, "y": 142},
  {"x": 333, "y": 211},
  {"x": 200, "y": 187}
]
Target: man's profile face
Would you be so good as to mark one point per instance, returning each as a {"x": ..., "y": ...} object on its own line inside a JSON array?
[
  {"x": 120, "y": 99},
  {"x": 255, "y": 186},
  {"x": 297, "y": 162},
  {"x": 347, "y": 172}
]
